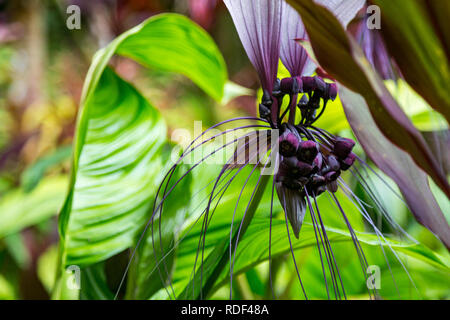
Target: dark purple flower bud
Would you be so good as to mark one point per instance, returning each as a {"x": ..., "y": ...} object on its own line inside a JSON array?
[
  {"x": 303, "y": 169},
  {"x": 318, "y": 161},
  {"x": 332, "y": 186},
  {"x": 348, "y": 162},
  {"x": 287, "y": 163},
  {"x": 320, "y": 84},
  {"x": 343, "y": 147},
  {"x": 303, "y": 103},
  {"x": 331, "y": 92},
  {"x": 296, "y": 168},
  {"x": 309, "y": 84},
  {"x": 332, "y": 175},
  {"x": 318, "y": 180},
  {"x": 264, "y": 111},
  {"x": 288, "y": 144},
  {"x": 266, "y": 99},
  {"x": 291, "y": 85},
  {"x": 307, "y": 151},
  {"x": 333, "y": 163},
  {"x": 286, "y": 85}
]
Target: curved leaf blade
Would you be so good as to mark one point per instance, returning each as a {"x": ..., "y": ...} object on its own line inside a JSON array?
[{"x": 116, "y": 172}]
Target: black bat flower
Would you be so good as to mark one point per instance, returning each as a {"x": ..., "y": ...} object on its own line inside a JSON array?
[{"x": 306, "y": 161}]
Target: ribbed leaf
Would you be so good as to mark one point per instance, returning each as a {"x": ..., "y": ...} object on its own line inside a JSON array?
[
  {"x": 116, "y": 163},
  {"x": 115, "y": 173}
]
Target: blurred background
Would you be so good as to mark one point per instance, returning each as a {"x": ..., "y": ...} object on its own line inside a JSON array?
[{"x": 42, "y": 69}]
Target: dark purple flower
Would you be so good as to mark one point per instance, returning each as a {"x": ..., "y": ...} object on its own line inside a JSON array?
[
  {"x": 348, "y": 161},
  {"x": 288, "y": 144},
  {"x": 333, "y": 163},
  {"x": 308, "y": 151},
  {"x": 343, "y": 147}
]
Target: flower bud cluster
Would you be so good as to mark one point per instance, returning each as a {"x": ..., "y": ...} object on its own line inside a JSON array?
[{"x": 304, "y": 164}]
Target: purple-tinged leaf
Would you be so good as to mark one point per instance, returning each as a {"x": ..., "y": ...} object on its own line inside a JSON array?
[
  {"x": 294, "y": 57},
  {"x": 397, "y": 164},
  {"x": 375, "y": 50},
  {"x": 339, "y": 54},
  {"x": 258, "y": 23},
  {"x": 417, "y": 48}
]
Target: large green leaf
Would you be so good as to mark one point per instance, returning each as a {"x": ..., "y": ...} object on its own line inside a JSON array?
[
  {"x": 119, "y": 135},
  {"x": 415, "y": 279},
  {"x": 142, "y": 282},
  {"x": 115, "y": 172}
]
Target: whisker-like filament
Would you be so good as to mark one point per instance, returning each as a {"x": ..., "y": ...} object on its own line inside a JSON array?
[
  {"x": 335, "y": 274},
  {"x": 358, "y": 248},
  {"x": 321, "y": 243}
]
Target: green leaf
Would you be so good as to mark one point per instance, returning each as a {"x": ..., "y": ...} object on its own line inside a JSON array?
[
  {"x": 115, "y": 170},
  {"x": 19, "y": 209},
  {"x": 93, "y": 283},
  {"x": 254, "y": 249},
  {"x": 168, "y": 42},
  {"x": 119, "y": 135}
]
